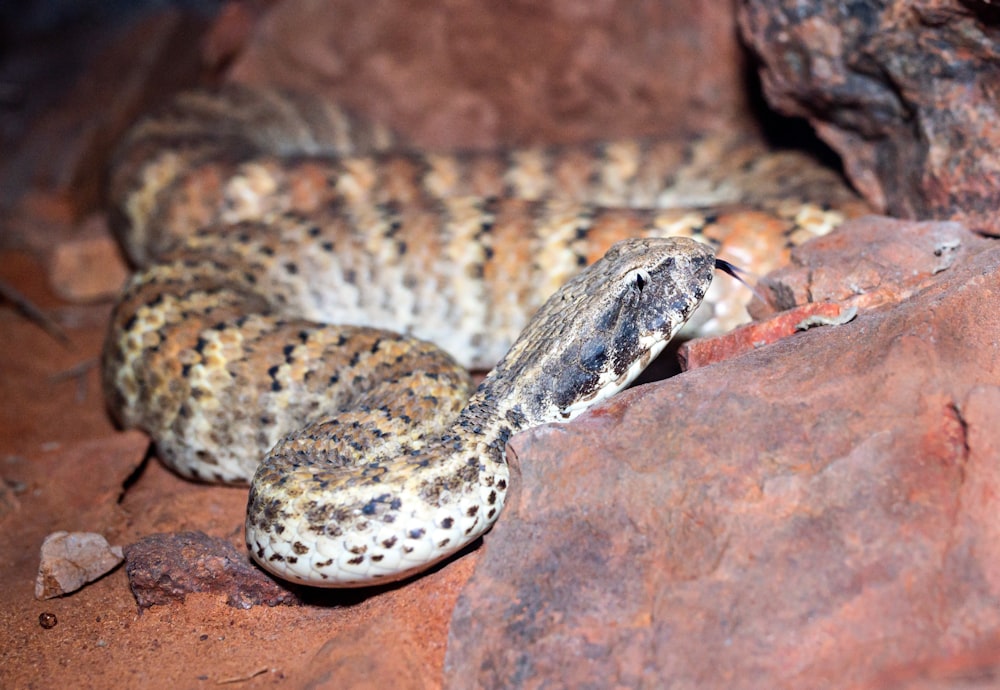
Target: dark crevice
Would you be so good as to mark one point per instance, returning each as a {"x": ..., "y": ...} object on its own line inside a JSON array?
[
  {"x": 781, "y": 131},
  {"x": 136, "y": 473}
]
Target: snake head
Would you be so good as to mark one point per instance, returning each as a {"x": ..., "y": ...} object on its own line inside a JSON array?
[{"x": 595, "y": 335}]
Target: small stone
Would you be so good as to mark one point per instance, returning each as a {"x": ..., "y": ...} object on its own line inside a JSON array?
[
  {"x": 165, "y": 568},
  {"x": 70, "y": 560},
  {"x": 47, "y": 620}
]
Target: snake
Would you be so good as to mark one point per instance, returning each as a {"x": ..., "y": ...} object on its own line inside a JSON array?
[{"x": 310, "y": 294}]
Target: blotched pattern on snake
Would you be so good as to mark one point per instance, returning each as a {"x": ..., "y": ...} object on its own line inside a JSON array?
[{"x": 295, "y": 262}]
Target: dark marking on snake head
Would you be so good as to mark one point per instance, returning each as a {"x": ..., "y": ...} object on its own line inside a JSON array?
[
  {"x": 447, "y": 522},
  {"x": 567, "y": 386},
  {"x": 626, "y": 346},
  {"x": 358, "y": 560},
  {"x": 593, "y": 354},
  {"x": 389, "y": 543},
  {"x": 416, "y": 533}
]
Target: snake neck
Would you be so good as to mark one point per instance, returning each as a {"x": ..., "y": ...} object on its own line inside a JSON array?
[{"x": 487, "y": 423}]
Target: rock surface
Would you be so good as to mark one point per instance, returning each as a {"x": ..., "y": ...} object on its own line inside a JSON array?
[
  {"x": 469, "y": 74},
  {"x": 69, "y": 560},
  {"x": 905, "y": 92},
  {"x": 165, "y": 568},
  {"x": 814, "y": 513}
]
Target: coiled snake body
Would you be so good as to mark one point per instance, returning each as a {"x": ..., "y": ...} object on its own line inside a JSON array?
[{"x": 260, "y": 218}]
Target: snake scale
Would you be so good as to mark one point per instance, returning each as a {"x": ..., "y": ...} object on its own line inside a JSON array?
[{"x": 295, "y": 263}]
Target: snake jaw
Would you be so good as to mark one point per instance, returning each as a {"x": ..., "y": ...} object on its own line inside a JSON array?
[{"x": 611, "y": 387}]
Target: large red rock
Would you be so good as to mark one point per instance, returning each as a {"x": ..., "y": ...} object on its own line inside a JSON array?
[
  {"x": 905, "y": 91},
  {"x": 820, "y": 512},
  {"x": 472, "y": 74}
]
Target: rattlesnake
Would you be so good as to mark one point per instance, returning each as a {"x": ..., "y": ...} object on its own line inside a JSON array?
[{"x": 259, "y": 215}]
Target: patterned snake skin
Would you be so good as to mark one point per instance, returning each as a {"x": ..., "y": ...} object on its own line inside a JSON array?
[{"x": 259, "y": 217}]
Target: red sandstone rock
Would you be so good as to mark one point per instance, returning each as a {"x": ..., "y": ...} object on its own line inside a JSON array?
[
  {"x": 904, "y": 91},
  {"x": 705, "y": 351},
  {"x": 814, "y": 513},
  {"x": 897, "y": 260},
  {"x": 472, "y": 74}
]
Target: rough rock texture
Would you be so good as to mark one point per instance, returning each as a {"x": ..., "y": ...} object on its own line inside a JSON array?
[
  {"x": 69, "y": 560},
  {"x": 473, "y": 74},
  {"x": 165, "y": 568},
  {"x": 883, "y": 270},
  {"x": 905, "y": 91},
  {"x": 820, "y": 512}
]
